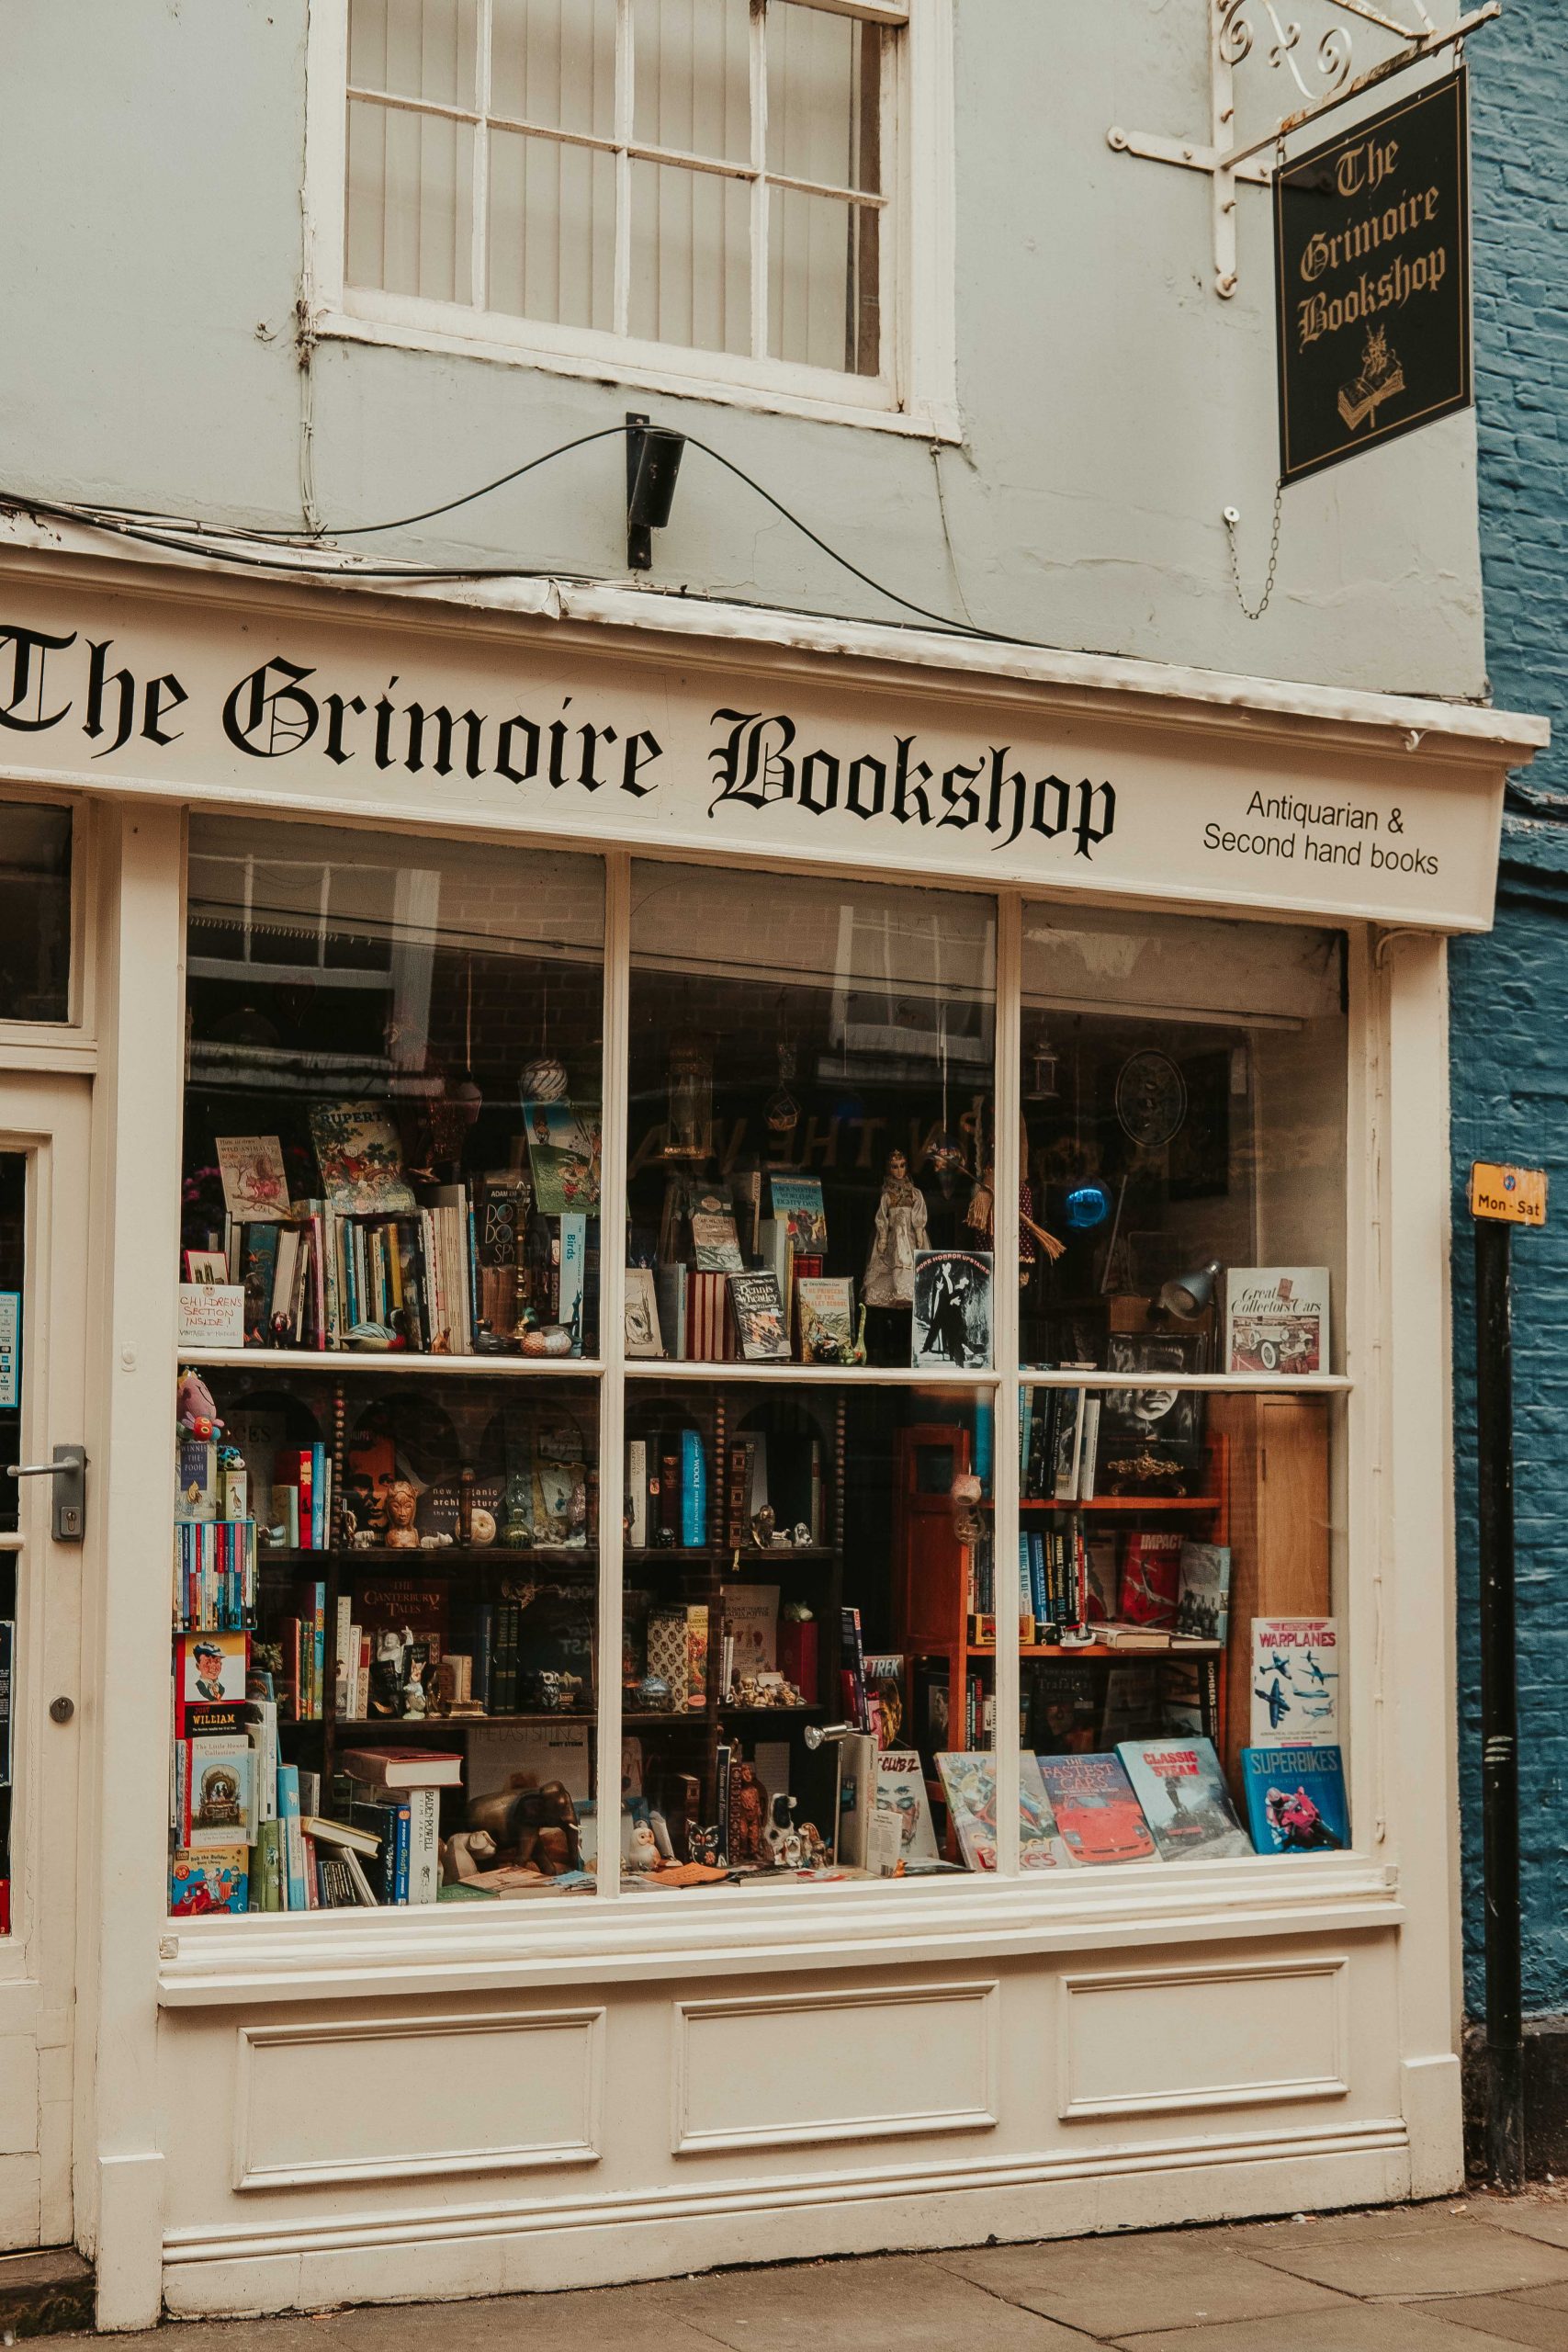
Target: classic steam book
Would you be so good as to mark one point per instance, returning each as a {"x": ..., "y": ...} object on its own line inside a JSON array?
[{"x": 1182, "y": 1790}]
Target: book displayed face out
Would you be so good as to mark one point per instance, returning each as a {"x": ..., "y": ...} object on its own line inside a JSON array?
[{"x": 399, "y": 1543}]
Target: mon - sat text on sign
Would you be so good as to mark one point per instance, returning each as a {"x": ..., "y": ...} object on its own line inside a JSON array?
[
  {"x": 1508, "y": 1195},
  {"x": 518, "y": 724}
]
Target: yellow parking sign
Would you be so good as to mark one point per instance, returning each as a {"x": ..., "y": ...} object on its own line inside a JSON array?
[{"x": 1506, "y": 1194}]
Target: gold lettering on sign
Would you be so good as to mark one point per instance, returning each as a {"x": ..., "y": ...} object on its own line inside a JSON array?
[{"x": 1362, "y": 169}]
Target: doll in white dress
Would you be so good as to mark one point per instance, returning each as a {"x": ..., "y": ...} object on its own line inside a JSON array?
[{"x": 900, "y": 1231}]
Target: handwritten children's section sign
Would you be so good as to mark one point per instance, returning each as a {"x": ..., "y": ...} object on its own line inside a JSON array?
[
  {"x": 212, "y": 1315},
  {"x": 1371, "y": 260},
  {"x": 1508, "y": 1195}
]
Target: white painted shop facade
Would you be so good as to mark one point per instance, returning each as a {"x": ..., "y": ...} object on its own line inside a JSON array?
[{"x": 263, "y": 2112}]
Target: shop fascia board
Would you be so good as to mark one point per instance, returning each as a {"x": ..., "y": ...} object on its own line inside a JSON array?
[
  {"x": 648, "y": 1939},
  {"x": 640, "y": 625}
]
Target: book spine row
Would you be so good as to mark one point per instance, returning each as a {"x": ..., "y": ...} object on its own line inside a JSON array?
[
  {"x": 215, "y": 1575},
  {"x": 302, "y": 1499},
  {"x": 1058, "y": 1444},
  {"x": 310, "y": 1283},
  {"x": 667, "y": 1491}
]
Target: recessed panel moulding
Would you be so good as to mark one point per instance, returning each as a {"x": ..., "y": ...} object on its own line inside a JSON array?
[{"x": 519, "y": 722}]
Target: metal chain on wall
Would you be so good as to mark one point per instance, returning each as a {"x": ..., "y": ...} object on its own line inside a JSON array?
[{"x": 1232, "y": 517}]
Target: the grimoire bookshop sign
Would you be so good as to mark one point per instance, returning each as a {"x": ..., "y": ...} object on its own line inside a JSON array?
[{"x": 1371, "y": 245}]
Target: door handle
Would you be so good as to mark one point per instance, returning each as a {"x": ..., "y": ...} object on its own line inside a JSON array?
[{"x": 68, "y": 1471}]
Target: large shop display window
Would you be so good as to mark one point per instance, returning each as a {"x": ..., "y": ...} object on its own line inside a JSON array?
[
  {"x": 1179, "y": 1546},
  {"x": 419, "y": 1617}
]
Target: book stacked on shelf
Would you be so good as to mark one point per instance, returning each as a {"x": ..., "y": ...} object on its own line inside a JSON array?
[
  {"x": 215, "y": 1574},
  {"x": 1058, "y": 1444},
  {"x": 1052, "y": 1579},
  {"x": 667, "y": 1491},
  {"x": 732, "y": 1286},
  {"x": 373, "y": 1260}
]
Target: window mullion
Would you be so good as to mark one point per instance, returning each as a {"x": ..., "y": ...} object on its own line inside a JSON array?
[
  {"x": 625, "y": 65},
  {"x": 613, "y": 1162},
  {"x": 1006, "y": 1176},
  {"x": 478, "y": 265},
  {"x": 760, "y": 183}
]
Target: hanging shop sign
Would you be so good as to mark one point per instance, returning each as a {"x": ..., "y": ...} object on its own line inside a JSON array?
[
  {"x": 471, "y": 723},
  {"x": 1371, "y": 245}
]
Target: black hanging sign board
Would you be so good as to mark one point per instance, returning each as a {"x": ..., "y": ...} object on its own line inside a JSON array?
[{"x": 1372, "y": 280}]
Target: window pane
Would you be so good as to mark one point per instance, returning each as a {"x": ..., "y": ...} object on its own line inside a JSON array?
[
  {"x": 824, "y": 98},
  {"x": 414, "y": 49},
  {"x": 392, "y": 1112},
  {"x": 824, "y": 302},
  {"x": 385, "y": 1564},
  {"x": 1181, "y": 1614},
  {"x": 692, "y": 82},
  {"x": 810, "y": 1118},
  {"x": 409, "y": 203},
  {"x": 792, "y": 1566},
  {"x": 1184, "y": 1099},
  {"x": 13, "y": 1284},
  {"x": 35, "y": 913},
  {"x": 553, "y": 61},
  {"x": 691, "y": 271},
  {"x": 552, "y": 231}
]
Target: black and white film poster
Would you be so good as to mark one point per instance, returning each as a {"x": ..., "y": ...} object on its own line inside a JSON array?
[{"x": 1371, "y": 265}]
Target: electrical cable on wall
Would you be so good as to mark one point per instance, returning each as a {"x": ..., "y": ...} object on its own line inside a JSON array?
[{"x": 284, "y": 550}]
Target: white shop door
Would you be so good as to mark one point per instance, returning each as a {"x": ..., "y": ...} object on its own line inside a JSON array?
[{"x": 44, "y": 1141}]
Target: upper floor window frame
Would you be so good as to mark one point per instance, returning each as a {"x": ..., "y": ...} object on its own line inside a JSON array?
[{"x": 915, "y": 390}]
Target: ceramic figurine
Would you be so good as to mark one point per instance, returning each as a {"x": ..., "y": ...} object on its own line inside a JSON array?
[
  {"x": 763, "y": 1526},
  {"x": 402, "y": 1504},
  {"x": 372, "y": 1339},
  {"x": 746, "y": 1808},
  {"x": 466, "y": 1852},
  {"x": 900, "y": 1230},
  {"x": 780, "y": 1838},
  {"x": 702, "y": 1843},
  {"x": 642, "y": 1848}
]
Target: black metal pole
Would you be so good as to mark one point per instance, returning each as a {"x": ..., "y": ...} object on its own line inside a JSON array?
[{"x": 1499, "y": 1705}]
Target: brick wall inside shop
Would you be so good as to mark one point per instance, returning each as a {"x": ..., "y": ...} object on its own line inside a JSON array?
[{"x": 1509, "y": 990}]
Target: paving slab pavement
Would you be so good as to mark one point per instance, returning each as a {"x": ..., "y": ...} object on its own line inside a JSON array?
[
  {"x": 1109, "y": 2288},
  {"x": 1458, "y": 2275}
]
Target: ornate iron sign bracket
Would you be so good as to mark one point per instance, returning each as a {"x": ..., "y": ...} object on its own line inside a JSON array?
[{"x": 1329, "y": 81}]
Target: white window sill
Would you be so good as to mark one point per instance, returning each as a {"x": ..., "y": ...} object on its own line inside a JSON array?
[
  {"x": 747, "y": 1931},
  {"x": 618, "y": 367}
]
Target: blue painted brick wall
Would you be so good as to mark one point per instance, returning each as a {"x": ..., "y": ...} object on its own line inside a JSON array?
[{"x": 1510, "y": 989}]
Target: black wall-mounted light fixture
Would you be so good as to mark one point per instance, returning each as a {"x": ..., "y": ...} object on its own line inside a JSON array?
[{"x": 653, "y": 461}]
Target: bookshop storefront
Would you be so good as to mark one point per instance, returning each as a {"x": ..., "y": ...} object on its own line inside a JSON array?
[{"x": 758, "y": 1316}]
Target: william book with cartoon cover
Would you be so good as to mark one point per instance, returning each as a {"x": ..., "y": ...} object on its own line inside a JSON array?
[
  {"x": 1296, "y": 1800},
  {"x": 1182, "y": 1790}
]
